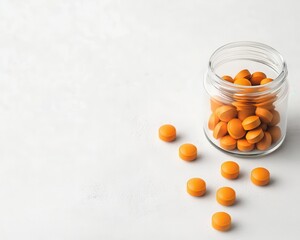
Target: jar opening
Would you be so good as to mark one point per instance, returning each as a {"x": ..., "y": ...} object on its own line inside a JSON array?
[{"x": 247, "y": 53}]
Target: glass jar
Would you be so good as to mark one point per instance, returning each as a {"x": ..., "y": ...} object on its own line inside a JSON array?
[{"x": 246, "y": 120}]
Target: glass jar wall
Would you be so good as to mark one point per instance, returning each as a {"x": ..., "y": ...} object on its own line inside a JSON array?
[{"x": 247, "y": 89}]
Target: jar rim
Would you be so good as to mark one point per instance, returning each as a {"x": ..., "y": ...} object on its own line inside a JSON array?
[{"x": 280, "y": 78}]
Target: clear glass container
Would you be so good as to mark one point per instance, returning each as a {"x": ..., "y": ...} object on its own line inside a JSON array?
[{"x": 268, "y": 102}]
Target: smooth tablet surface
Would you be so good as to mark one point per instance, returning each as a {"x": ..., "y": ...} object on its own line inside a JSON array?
[
  {"x": 264, "y": 114},
  {"x": 242, "y": 81},
  {"x": 251, "y": 122},
  {"x": 196, "y": 187},
  {"x": 213, "y": 121},
  {"x": 225, "y": 196},
  {"x": 230, "y": 170},
  {"x": 244, "y": 113},
  {"x": 225, "y": 113},
  {"x": 244, "y": 146},
  {"x": 235, "y": 128},
  {"x": 257, "y": 77},
  {"x": 265, "y": 143},
  {"x": 188, "y": 152},
  {"x": 265, "y": 81},
  {"x": 243, "y": 74},
  {"x": 255, "y": 135},
  {"x": 167, "y": 133},
  {"x": 260, "y": 176},
  {"x": 276, "y": 118},
  {"x": 221, "y": 221},
  {"x": 275, "y": 133},
  {"x": 228, "y": 143},
  {"x": 220, "y": 130},
  {"x": 228, "y": 78}
]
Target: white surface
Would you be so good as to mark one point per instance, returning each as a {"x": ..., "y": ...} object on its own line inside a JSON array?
[{"x": 84, "y": 86}]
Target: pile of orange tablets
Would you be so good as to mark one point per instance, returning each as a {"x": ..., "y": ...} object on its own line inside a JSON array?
[
  {"x": 246, "y": 123},
  {"x": 196, "y": 187}
]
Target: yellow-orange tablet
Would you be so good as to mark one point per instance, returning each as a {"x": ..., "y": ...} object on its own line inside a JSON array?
[
  {"x": 251, "y": 122},
  {"x": 188, "y": 152},
  {"x": 260, "y": 176},
  {"x": 243, "y": 74},
  {"x": 228, "y": 78},
  {"x": 167, "y": 133},
  {"x": 220, "y": 130},
  {"x": 257, "y": 77},
  {"x": 264, "y": 114},
  {"x": 242, "y": 81},
  {"x": 275, "y": 133},
  {"x": 255, "y": 135},
  {"x": 196, "y": 187},
  {"x": 221, "y": 221},
  {"x": 227, "y": 142},
  {"x": 276, "y": 118},
  {"x": 225, "y": 113},
  {"x": 230, "y": 170},
  {"x": 244, "y": 146},
  {"x": 265, "y": 143},
  {"x": 225, "y": 196},
  {"x": 213, "y": 121},
  {"x": 235, "y": 128},
  {"x": 265, "y": 81}
]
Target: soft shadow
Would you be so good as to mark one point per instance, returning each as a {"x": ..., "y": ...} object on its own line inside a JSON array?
[
  {"x": 242, "y": 174},
  {"x": 178, "y": 138},
  {"x": 233, "y": 227},
  {"x": 238, "y": 202},
  {"x": 207, "y": 193},
  {"x": 272, "y": 182}
]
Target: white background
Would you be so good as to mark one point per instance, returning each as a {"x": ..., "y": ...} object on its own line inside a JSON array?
[{"x": 84, "y": 86}]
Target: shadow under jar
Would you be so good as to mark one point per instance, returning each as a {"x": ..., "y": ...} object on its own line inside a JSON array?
[{"x": 246, "y": 120}]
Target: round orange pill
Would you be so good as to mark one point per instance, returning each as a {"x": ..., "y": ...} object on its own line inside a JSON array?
[
  {"x": 228, "y": 143},
  {"x": 220, "y": 130},
  {"x": 188, "y": 152},
  {"x": 225, "y": 196},
  {"x": 196, "y": 187},
  {"x": 244, "y": 146},
  {"x": 251, "y": 122},
  {"x": 221, "y": 221},
  {"x": 214, "y": 104},
  {"x": 235, "y": 128},
  {"x": 257, "y": 77},
  {"x": 230, "y": 170},
  {"x": 265, "y": 81},
  {"x": 227, "y": 78},
  {"x": 260, "y": 176},
  {"x": 242, "y": 81},
  {"x": 244, "y": 113},
  {"x": 275, "y": 119},
  {"x": 265, "y": 143},
  {"x": 243, "y": 74},
  {"x": 255, "y": 135},
  {"x": 167, "y": 133},
  {"x": 225, "y": 113},
  {"x": 275, "y": 133},
  {"x": 213, "y": 121},
  {"x": 264, "y": 114}
]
